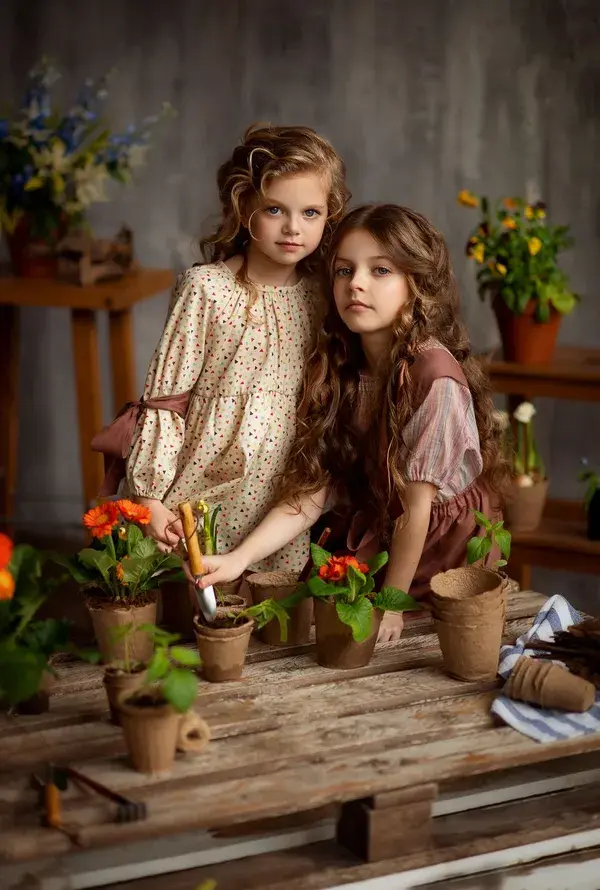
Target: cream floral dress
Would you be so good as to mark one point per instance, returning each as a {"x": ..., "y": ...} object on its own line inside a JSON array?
[{"x": 244, "y": 375}]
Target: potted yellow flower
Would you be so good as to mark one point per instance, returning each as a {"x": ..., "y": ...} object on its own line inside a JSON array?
[
  {"x": 516, "y": 252},
  {"x": 121, "y": 573}
]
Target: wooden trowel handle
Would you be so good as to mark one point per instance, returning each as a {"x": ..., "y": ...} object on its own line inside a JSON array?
[{"x": 191, "y": 538}]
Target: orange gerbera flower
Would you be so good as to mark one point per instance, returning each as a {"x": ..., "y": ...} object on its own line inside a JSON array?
[
  {"x": 6, "y": 549},
  {"x": 101, "y": 520},
  {"x": 119, "y": 571},
  {"x": 336, "y": 568},
  {"x": 7, "y": 585},
  {"x": 134, "y": 512}
]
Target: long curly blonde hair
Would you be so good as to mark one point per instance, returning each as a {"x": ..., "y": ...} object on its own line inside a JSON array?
[
  {"x": 265, "y": 153},
  {"x": 331, "y": 450}
]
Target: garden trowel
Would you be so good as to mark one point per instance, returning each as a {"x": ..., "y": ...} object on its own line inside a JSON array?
[{"x": 206, "y": 597}]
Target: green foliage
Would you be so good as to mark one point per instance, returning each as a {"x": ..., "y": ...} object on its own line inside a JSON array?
[
  {"x": 593, "y": 482},
  {"x": 171, "y": 670},
  {"x": 26, "y": 644},
  {"x": 264, "y": 612},
  {"x": 480, "y": 545},
  {"x": 517, "y": 256},
  {"x": 351, "y": 586}
]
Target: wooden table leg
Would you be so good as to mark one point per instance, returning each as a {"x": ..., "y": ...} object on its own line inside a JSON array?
[
  {"x": 121, "y": 358},
  {"x": 9, "y": 411},
  {"x": 89, "y": 398}
]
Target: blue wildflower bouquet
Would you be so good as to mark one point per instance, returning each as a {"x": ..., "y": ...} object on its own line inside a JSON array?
[{"x": 54, "y": 165}]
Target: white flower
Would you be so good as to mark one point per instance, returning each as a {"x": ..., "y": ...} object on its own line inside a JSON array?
[
  {"x": 90, "y": 184},
  {"x": 137, "y": 155},
  {"x": 524, "y": 413}
]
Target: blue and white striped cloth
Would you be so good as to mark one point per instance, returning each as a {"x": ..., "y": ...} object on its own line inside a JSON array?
[{"x": 544, "y": 724}]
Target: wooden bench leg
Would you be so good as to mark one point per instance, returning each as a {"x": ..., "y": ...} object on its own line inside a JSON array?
[
  {"x": 89, "y": 398},
  {"x": 389, "y": 824},
  {"x": 121, "y": 358},
  {"x": 9, "y": 411}
]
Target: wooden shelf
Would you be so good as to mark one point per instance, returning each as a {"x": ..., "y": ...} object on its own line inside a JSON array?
[
  {"x": 559, "y": 542},
  {"x": 573, "y": 374}
]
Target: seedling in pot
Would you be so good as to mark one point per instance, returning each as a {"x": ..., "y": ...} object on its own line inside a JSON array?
[
  {"x": 171, "y": 673},
  {"x": 480, "y": 546}
]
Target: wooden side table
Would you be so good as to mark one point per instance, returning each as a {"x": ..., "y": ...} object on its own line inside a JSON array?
[{"x": 117, "y": 298}]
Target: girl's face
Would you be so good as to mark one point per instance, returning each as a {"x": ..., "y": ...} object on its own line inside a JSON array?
[
  {"x": 369, "y": 290},
  {"x": 288, "y": 225}
]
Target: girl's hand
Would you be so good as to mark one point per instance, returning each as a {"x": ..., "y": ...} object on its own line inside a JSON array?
[
  {"x": 165, "y": 527},
  {"x": 219, "y": 569},
  {"x": 391, "y": 627}
]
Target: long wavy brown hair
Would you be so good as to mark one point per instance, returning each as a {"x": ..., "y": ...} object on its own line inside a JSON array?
[
  {"x": 331, "y": 450},
  {"x": 265, "y": 153}
]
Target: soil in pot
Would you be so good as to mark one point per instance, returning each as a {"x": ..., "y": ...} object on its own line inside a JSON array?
[
  {"x": 525, "y": 340},
  {"x": 151, "y": 729},
  {"x": 222, "y": 645},
  {"x": 107, "y": 616},
  {"x": 278, "y": 586},
  {"x": 524, "y": 508},
  {"x": 336, "y": 648},
  {"x": 118, "y": 683}
]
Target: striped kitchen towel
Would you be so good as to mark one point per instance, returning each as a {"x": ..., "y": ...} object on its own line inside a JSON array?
[{"x": 543, "y": 724}]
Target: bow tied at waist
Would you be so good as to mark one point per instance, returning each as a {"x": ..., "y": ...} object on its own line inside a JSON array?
[{"x": 116, "y": 439}]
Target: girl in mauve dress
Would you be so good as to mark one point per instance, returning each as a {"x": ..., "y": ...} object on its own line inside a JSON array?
[
  {"x": 235, "y": 343},
  {"x": 397, "y": 425}
]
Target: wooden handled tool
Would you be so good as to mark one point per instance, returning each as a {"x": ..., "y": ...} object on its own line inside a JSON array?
[{"x": 206, "y": 597}]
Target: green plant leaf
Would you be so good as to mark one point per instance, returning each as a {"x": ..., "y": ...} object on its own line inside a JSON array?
[
  {"x": 265, "y": 611},
  {"x": 78, "y": 573},
  {"x": 319, "y": 556},
  {"x": 358, "y": 615},
  {"x": 134, "y": 537},
  {"x": 301, "y": 593},
  {"x": 20, "y": 673},
  {"x": 355, "y": 580},
  {"x": 377, "y": 562},
  {"x": 503, "y": 539},
  {"x": 99, "y": 560},
  {"x": 158, "y": 666},
  {"x": 392, "y": 599},
  {"x": 180, "y": 688},
  {"x": 187, "y": 657},
  {"x": 477, "y": 549},
  {"x": 146, "y": 548},
  {"x": 482, "y": 520},
  {"x": 499, "y": 563}
]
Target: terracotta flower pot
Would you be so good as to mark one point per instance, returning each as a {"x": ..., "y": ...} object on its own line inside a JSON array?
[
  {"x": 525, "y": 340},
  {"x": 336, "y": 647},
  {"x": 154, "y": 731},
  {"x": 471, "y": 651},
  {"x": 117, "y": 684},
  {"x": 223, "y": 649},
  {"x": 524, "y": 508},
  {"x": 106, "y": 617},
  {"x": 278, "y": 586},
  {"x": 32, "y": 257}
]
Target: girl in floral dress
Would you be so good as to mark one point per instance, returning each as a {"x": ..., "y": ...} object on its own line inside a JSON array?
[
  {"x": 398, "y": 426},
  {"x": 218, "y": 415}
]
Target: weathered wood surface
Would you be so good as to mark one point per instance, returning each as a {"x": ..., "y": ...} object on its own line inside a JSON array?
[{"x": 289, "y": 737}]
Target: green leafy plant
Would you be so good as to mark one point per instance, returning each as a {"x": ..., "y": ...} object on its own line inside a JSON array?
[
  {"x": 264, "y": 612},
  {"x": 26, "y": 645},
  {"x": 517, "y": 255},
  {"x": 350, "y": 584},
  {"x": 593, "y": 482},
  {"x": 171, "y": 673},
  {"x": 122, "y": 565},
  {"x": 480, "y": 545}
]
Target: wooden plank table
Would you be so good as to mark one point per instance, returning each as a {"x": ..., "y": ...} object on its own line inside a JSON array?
[
  {"x": 115, "y": 297},
  {"x": 379, "y": 755}
]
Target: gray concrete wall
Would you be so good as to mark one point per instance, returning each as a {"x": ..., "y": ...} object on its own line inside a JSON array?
[{"x": 422, "y": 98}]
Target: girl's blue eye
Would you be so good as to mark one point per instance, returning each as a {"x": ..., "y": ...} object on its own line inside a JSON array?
[
  {"x": 273, "y": 211},
  {"x": 342, "y": 272},
  {"x": 382, "y": 270},
  {"x": 311, "y": 213}
]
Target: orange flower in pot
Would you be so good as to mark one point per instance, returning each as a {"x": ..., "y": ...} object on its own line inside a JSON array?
[
  {"x": 348, "y": 610},
  {"x": 120, "y": 574},
  {"x": 516, "y": 253}
]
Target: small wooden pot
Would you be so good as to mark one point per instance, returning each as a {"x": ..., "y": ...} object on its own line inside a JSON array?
[
  {"x": 524, "y": 508},
  {"x": 106, "y": 617},
  {"x": 223, "y": 649}
]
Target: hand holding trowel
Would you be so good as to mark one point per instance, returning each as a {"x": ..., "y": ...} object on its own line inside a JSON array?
[{"x": 206, "y": 599}]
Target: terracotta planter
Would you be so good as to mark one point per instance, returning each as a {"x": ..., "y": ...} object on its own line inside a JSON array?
[
  {"x": 278, "y": 586},
  {"x": 32, "y": 258},
  {"x": 471, "y": 651},
  {"x": 223, "y": 649},
  {"x": 154, "y": 730},
  {"x": 525, "y": 340},
  {"x": 106, "y": 617},
  {"x": 117, "y": 684},
  {"x": 524, "y": 509},
  {"x": 336, "y": 647}
]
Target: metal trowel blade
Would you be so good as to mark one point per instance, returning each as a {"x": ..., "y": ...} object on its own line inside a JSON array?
[{"x": 207, "y": 602}]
